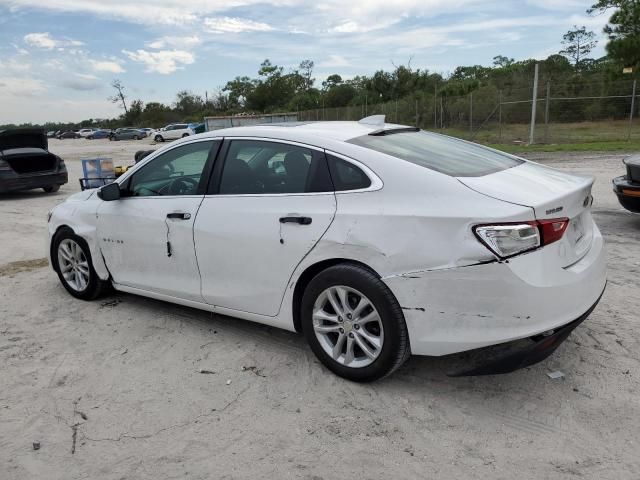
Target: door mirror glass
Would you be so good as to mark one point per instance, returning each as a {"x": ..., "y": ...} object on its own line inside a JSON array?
[{"x": 109, "y": 192}]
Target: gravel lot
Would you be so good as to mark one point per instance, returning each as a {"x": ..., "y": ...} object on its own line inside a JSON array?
[{"x": 111, "y": 389}]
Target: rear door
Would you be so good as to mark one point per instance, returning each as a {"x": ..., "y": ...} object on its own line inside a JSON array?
[{"x": 268, "y": 204}]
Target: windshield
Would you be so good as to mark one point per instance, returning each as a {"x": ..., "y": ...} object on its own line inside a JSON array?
[{"x": 447, "y": 155}]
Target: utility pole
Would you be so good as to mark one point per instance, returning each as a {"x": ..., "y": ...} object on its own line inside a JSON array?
[
  {"x": 546, "y": 113},
  {"x": 500, "y": 116},
  {"x": 534, "y": 105},
  {"x": 633, "y": 107},
  {"x": 416, "y": 112},
  {"x": 471, "y": 113},
  {"x": 435, "y": 106}
]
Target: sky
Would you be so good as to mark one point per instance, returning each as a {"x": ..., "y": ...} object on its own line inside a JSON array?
[{"x": 59, "y": 57}]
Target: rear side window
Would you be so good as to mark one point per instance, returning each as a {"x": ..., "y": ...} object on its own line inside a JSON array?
[
  {"x": 440, "y": 153},
  {"x": 261, "y": 167},
  {"x": 347, "y": 176}
]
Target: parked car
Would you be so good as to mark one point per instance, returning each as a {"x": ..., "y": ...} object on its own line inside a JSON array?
[
  {"x": 375, "y": 240},
  {"x": 85, "y": 132},
  {"x": 127, "y": 134},
  {"x": 99, "y": 134},
  {"x": 26, "y": 163},
  {"x": 627, "y": 187},
  {"x": 68, "y": 134},
  {"x": 51, "y": 134},
  {"x": 197, "y": 128},
  {"x": 173, "y": 132}
]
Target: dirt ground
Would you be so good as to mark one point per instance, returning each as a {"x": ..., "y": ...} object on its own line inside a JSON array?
[{"x": 112, "y": 389}]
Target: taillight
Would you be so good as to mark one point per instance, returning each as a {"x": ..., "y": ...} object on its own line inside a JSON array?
[
  {"x": 552, "y": 230},
  {"x": 509, "y": 239}
]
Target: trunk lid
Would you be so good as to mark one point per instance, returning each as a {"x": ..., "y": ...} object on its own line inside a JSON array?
[
  {"x": 23, "y": 138},
  {"x": 551, "y": 194}
]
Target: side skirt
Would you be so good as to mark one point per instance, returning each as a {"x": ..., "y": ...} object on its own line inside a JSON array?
[{"x": 252, "y": 317}]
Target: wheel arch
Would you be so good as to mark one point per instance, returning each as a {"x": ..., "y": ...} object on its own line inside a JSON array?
[
  {"x": 86, "y": 234},
  {"x": 308, "y": 274}
]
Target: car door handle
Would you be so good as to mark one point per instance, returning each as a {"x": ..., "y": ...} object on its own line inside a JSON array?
[
  {"x": 296, "y": 219},
  {"x": 179, "y": 215}
]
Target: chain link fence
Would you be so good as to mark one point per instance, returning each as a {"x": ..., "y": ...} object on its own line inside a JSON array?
[{"x": 565, "y": 113}]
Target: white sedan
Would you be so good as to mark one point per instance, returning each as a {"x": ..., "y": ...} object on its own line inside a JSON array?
[{"x": 375, "y": 240}]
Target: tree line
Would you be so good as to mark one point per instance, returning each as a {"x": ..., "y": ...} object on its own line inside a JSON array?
[{"x": 275, "y": 90}]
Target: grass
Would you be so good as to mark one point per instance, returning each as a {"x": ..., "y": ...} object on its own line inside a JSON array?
[
  {"x": 620, "y": 146},
  {"x": 603, "y": 136}
]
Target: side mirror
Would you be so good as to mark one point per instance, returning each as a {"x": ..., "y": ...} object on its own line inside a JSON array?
[{"x": 110, "y": 192}]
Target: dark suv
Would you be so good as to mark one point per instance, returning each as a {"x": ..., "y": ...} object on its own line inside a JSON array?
[{"x": 26, "y": 163}]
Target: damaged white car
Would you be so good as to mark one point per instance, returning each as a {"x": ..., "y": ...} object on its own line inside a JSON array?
[{"x": 377, "y": 241}]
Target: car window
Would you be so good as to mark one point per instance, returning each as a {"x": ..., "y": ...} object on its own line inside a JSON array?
[
  {"x": 346, "y": 176},
  {"x": 259, "y": 167},
  {"x": 440, "y": 153},
  {"x": 176, "y": 172}
]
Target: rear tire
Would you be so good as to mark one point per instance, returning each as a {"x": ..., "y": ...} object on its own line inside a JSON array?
[
  {"x": 136, "y": 137},
  {"x": 359, "y": 345},
  {"x": 72, "y": 262},
  {"x": 51, "y": 188},
  {"x": 185, "y": 135}
]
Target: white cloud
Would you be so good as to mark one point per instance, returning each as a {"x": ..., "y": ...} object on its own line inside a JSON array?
[
  {"x": 163, "y": 61},
  {"x": 334, "y": 61},
  {"x": 82, "y": 82},
  {"x": 160, "y": 12},
  {"x": 175, "y": 42},
  {"x": 106, "y": 66},
  {"x": 21, "y": 86},
  {"x": 235, "y": 25},
  {"x": 46, "y": 41}
]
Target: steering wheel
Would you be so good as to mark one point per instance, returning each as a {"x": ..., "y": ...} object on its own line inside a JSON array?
[{"x": 182, "y": 186}]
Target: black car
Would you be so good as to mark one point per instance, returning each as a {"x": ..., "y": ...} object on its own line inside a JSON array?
[
  {"x": 26, "y": 163},
  {"x": 627, "y": 187},
  {"x": 69, "y": 134}
]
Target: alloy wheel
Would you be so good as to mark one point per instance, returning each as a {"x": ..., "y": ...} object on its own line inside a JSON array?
[
  {"x": 348, "y": 326},
  {"x": 73, "y": 264}
]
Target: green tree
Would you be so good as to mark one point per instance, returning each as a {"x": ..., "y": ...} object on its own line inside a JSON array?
[{"x": 578, "y": 44}]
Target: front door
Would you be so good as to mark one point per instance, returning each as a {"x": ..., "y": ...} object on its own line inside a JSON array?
[
  {"x": 269, "y": 204},
  {"x": 146, "y": 237}
]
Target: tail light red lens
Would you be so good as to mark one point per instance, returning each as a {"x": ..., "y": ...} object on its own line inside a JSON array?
[
  {"x": 552, "y": 230},
  {"x": 509, "y": 239}
]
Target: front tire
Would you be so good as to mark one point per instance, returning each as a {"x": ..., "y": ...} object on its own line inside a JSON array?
[
  {"x": 185, "y": 135},
  {"x": 51, "y": 188},
  {"x": 354, "y": 324},
  {"x": 136, "y": 137},
  {"x": 71, "y": 259},
  {"x": 158, "y": 138}
]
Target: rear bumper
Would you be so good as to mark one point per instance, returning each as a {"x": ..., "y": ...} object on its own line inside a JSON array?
[
  {"x": 530, "y": 355},
  {"x": 464, "y": 308},
  {"x": 16, "y": 182},
  {"x": 628, "y": 193}
]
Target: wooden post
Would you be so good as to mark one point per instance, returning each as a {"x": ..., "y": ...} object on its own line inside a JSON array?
[
  {"x": 471, "y": 114},
  {"x": 500, "y": 116},
  {"x": 546, "y": 113},
  {"x": 633, "y": 107},
  {"x": 534, "y": 104}
]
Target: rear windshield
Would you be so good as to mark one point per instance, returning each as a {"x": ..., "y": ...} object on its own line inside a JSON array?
[{"x": 440, "y": 153}]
